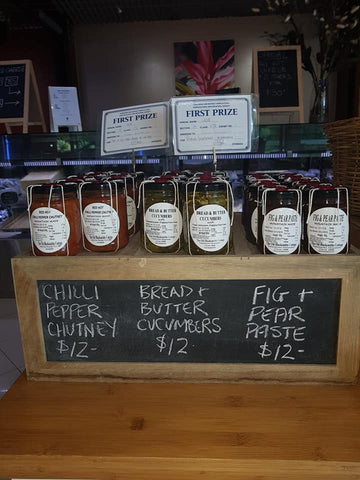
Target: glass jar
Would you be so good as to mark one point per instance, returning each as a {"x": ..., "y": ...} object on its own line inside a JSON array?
[
  {"x": 209, "y": 217},
  {"x": 100, "y": 219},
  {"x": 253, "y": 196},
  {"x": 120, "y": 194},
  {"x": 139, "y": 177},
  {"x": 328, "y": 220},
  {"x": 305, "y": 190},
  {"x": 131, "y": 201},
  {"x": 291, "y": 178},
  {"x": 161, "y": 219},
  {"x": 54, "y": 215},
  {"x": 279, "y": 226}
]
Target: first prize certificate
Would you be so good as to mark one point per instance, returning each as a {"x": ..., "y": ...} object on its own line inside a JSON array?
[
  {"x": 144, "y": 127},
  {"x": 203, "y": 123}
]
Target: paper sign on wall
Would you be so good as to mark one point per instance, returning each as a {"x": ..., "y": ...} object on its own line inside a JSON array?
[
  {"x": 64, "y": 108},
  {"x": 143, "y": 127},
  {"x": 202, "y": 123}
]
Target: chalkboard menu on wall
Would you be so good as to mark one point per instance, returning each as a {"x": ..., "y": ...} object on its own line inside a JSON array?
[
  {"x": 12, "y": 85},
  {"x": 278, "y": 84},
  {"x": 277, "y": 78},
  {"x": 197, "y": 321}
]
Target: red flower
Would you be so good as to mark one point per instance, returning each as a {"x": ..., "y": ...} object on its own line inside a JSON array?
[{"x": 208, "y": 76}]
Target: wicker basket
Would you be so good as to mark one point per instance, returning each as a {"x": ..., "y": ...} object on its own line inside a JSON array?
[{"x": 344, "y": 142}]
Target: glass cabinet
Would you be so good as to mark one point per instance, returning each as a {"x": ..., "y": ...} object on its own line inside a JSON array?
[{"x": 294, "y": 147}]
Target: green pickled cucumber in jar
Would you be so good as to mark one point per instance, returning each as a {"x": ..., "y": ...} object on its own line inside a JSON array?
[
  {"x": 209, "y": 213},
  {"x": 161, "y": 219}
]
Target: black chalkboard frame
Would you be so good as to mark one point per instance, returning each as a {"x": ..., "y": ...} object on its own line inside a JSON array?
[
  {"x": 29, "y": 270},
  {"x": 255, "y": 80},
  {"x": 30, "y": 98}
]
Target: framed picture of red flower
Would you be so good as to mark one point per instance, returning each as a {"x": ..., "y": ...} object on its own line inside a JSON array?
[{"x": 204, "y": 67}]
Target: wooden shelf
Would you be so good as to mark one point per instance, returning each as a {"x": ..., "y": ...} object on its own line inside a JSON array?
[
  {"x": 137, "y": 431},
  {"x": 177, "y": 431}
]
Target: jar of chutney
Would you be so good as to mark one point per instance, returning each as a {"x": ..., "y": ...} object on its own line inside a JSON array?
[
  {"x": 99, "y": 214},
  {"x": 54, "y": 216}
]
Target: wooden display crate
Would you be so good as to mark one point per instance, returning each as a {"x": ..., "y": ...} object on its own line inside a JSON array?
[{"x": 325, "y": 316}]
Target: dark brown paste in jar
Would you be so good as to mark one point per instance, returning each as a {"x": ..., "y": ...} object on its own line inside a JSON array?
[
  {"x": 279, "y": 226},
  {"x": 327, "y": 220}
]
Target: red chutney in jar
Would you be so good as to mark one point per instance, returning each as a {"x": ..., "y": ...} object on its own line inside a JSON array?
[
  {"x": 131, "y": 201},
  {"x": 100, "y": 219},
  {"x": 55, "y": 230},
  {"x": 120, "y": 193}
]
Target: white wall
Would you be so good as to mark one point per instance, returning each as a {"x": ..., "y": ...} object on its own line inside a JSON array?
[{"x": 133, "y": 63}]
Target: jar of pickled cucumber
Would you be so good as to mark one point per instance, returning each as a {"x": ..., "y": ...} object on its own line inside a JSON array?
[
  {"x": 161, "y": 218},
  {"x": 279, "y": 225},
  {"x": 209, "y": 217},
  {"x": 328, "y": 220}
]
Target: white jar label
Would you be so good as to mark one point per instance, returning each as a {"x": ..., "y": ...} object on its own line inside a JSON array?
[
  {"x": 163, "y": 224},
  {"x": 50, "y": 229},
  {"x": 101, "y": 223},
  {"x": 254, "y": 223},
  {"x": 210, "y": 227},
  {"x": 282, "y": 231},
  {"x": 328, "y": 230},
  {"x": 131, "y": 211}
]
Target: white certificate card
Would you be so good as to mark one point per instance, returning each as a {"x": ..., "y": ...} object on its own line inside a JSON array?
[
  {"x": 202, "y": 123},
  {"x": 64, "y": 107},
  {"x": 144, "y": 127}
]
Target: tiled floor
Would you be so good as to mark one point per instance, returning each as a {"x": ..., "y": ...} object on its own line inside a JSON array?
[{"x": 11, "y": 354}]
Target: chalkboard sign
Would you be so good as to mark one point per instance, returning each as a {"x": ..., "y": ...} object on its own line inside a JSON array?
[
  {"x": 197, "y": 321},
  {"x": 20, "y": 103},
  {"x": 278, "y": 81},
  {"x": 12, "y": 85}
]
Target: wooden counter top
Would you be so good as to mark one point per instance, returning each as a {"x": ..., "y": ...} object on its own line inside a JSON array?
[{"x": 177, "y": 431}]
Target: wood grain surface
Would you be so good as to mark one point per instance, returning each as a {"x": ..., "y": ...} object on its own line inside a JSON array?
[{"x": 178, "y": 431}]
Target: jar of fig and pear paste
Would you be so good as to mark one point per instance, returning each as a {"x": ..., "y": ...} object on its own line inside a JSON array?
[
  {"x": 279, "y": 226},
  {"x": 100, "y": 219},
  {"x": 254, "y": 200},
  {"x": 161, "y": 218},
  {"x": 54, "y": 216},
  {"x": 328, "y": 220},
  {"x": 209, "y": 216}
]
